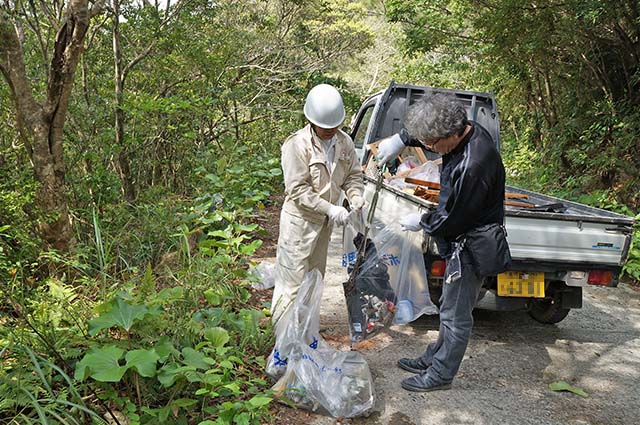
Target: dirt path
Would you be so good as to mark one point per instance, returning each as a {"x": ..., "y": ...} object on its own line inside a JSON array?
[{"x": 509, "y": 364}]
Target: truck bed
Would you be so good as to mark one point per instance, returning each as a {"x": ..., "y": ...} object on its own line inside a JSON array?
[{"x": 582, "y": 237}]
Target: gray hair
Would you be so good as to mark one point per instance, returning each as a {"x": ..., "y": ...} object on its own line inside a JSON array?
[{"x": 436, "y": 116}]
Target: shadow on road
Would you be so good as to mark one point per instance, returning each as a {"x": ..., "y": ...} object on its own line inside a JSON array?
[
  {"x": 512, "y": 359},
  {"x": 509, "y": 364}
]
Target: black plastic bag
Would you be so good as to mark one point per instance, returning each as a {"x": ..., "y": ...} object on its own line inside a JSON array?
[
  {"x": 374, "y": 279},
  {"x": 370, "y": 298}
]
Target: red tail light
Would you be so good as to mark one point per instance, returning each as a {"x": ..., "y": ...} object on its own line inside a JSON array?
[
  {"x": 438, "y": 267},
  {"x": 600, "y": 277}
]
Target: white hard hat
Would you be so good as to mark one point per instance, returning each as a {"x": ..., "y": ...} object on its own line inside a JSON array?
[{"x": 324, "y": 106}]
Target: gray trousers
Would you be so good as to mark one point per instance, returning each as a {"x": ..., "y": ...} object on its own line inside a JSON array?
[{"x": 456, "y": 304}]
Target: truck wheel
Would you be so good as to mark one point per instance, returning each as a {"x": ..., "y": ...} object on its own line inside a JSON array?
[
  {"x": 435, "y": 294},
  {"x": 548, "y": 311}
]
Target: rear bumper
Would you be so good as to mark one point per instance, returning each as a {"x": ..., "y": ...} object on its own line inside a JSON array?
[{"x": 568, "y": 297}]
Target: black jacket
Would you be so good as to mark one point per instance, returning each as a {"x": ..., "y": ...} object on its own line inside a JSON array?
[{"x": 472, "y": 188}]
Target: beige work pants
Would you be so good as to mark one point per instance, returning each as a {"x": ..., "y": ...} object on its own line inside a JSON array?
[{"x": 302, "y": 247}]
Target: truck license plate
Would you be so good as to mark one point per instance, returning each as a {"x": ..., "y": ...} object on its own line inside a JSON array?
[{"x": 521, "y": 284}]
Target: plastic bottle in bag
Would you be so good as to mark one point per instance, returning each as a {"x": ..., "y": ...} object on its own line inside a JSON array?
[{"x": 404, "y": 312}]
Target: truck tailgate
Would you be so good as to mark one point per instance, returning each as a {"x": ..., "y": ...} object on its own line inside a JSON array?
[
  {"x": 549, "y": 240},
  {"x": 578, "y": 234}
]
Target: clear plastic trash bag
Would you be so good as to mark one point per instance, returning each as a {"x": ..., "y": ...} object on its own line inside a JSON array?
[
  {"x": 265, "y": 272},
  {"x": 328, "y": 381},
  {"x": 429, "y": 171},
  {"x": 399, "y": 255},
  {"x": 299, "y": 324},
  {"x": 407, "y": 164},
  {"x": 311, "y": 374}
]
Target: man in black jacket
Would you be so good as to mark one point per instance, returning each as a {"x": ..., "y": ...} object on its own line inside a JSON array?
[{"x": 471, "y": 196}]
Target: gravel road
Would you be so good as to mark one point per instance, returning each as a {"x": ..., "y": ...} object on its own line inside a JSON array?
[{"x": 510, "y": 362}]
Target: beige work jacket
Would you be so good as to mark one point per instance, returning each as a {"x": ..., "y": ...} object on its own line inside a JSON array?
[{"x": 310, "y": 186}]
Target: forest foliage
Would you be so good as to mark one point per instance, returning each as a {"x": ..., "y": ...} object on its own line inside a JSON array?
[{"x": 132, "y": 169}]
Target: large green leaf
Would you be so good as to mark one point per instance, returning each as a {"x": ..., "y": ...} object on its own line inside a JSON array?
[
  {"x": 164, "y": 347},
  {"x": 170, "y": 294},
  {"x": 196, "y": 359},
  {"x": 226, "y": 364},
  {"x": 168, "y": 374},
  {"x": 224, "y": 234},
  {"x": 245, "y": 227},
  {"x": 242, "y": 419},
  {"x": 184, "y": 402},
  {"x": 212, "y": 297},
  {"x": 217, "y": 336},
  {"x": 121, "y": 314},
  {"x": 259, "y": 401},
  {"x": 101, "y": 364},
  {"x": 143, "y": 361},
  {"x": 250, "y": 248},
  {"x": 210, "y": 317}
]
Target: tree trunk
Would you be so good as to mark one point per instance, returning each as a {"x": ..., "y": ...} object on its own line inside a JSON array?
[
  {"x": 51, "y": 195},
  {"x": 124, "y": 169},
  {"x": 41, "y": 125}
]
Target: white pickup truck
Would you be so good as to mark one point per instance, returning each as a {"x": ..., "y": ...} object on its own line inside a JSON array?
[{"x": 557, "y": 246}]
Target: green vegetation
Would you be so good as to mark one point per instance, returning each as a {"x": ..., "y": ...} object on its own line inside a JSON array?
[
  {"x": 140, "y": 310},
  {"x": 130, "y": 180},
  {"x": 149, "y": 318},
  {"x": 567, "y": 79}
]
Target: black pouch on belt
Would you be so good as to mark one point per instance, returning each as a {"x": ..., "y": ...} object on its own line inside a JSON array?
[{"x": 487, "y": 245}]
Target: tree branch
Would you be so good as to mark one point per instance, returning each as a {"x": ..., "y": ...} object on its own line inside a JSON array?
[
  {"x": 13, "y": 69},
  {"x": 147, "y": 51},
  {"x": 35, "y": 27},
  {"x": 135, "y": 61}
]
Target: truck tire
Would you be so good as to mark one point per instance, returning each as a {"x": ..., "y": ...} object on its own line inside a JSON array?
[
  {"x": 435, "y": 294},
  {"x": 547, "y": 311}
]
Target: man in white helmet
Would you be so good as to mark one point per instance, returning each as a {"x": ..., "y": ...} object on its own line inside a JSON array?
[{"x": 319, "y": 162}]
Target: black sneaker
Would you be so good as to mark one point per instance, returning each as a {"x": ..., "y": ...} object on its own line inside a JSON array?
[
  {"x": 422, "y": 383},
  {"x": 412, "y": 365}
]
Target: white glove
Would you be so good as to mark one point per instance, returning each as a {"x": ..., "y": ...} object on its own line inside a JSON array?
[
  {"x": 338, "y": 214},
  {"x": 411, "y": 222},
  {"x": 389, "y": 149},
  {"x": 356, "y": 202}
]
